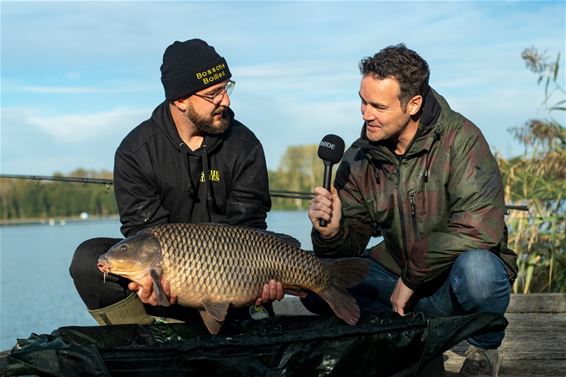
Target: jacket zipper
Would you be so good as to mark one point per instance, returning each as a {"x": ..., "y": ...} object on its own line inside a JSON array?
[
  {"x": 401, "y": 216},
  {"x": 414, "y": 216}
]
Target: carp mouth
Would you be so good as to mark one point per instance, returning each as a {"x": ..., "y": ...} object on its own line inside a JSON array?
[
  {"x": 104, "y": 266},
  {"x": 131, "y": 272}
]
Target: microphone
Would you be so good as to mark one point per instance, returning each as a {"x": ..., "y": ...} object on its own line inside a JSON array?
[{"x": 330, "y": 151}]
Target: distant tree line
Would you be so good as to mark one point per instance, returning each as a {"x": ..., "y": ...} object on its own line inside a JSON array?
[
  {"x": 300, "y": 170},
  {"x": 24, "y": 199}
]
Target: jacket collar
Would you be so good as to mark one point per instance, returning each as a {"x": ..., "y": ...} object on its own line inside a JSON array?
[{"x": 428, "y": 132}]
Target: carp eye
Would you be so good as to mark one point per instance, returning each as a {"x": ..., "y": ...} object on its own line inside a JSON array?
[{"x": 123, "y": 248}]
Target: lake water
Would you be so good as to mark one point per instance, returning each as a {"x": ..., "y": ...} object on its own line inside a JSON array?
[{"x": 37, "y": 294}]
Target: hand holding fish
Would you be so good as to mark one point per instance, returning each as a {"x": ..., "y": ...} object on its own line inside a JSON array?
[
  {"x": 271, "y": 291},
  {"x": 146, "y": 293}
]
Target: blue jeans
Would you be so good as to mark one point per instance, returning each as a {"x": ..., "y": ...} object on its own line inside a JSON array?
[{"x": 477, "y": 282}]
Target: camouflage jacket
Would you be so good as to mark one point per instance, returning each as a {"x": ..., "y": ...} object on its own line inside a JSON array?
[{"x": 443, "y": 197}]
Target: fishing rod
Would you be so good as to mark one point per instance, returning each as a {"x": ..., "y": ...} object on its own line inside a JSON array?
[
  {"x": 40, "y": 178},
  {"x": 108, "y": 182}
]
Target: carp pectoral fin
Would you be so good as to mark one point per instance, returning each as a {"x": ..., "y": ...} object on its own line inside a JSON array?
[{"x": 158, "y": 289}]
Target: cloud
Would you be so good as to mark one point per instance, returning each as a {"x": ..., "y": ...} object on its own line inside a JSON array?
[
  {"x": 82, "y": 89},
  {"x": 62, "y": 90},
  {"x": 280, "y": 120},
  {"x": 74, "y": 128},
  {"x": 36, "y": 141}
]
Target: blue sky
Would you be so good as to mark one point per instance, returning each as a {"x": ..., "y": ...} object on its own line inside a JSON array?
[{"x": 77, "y": 76}]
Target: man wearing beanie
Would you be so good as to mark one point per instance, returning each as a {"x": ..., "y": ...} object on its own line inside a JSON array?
[{"x": 190, "y": 162}]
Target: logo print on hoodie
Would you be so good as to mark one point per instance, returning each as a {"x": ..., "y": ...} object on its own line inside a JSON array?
[{"x": 213, "y": 175}]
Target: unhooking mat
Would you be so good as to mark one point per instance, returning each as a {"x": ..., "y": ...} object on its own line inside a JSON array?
[{"x": 379, "y": 345}]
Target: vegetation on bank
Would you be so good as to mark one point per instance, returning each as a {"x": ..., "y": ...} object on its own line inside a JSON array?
[
  {"x": 24, "y": 199},
  {"x": 300, "y": 170},
  {"x": 536, "y": 178}
]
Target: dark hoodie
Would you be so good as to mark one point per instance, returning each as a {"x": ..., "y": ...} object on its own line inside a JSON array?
[{"x": 159, "y": 180}]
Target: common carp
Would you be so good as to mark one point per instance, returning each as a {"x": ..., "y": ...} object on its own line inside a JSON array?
[{"x": 210, "y": 266}]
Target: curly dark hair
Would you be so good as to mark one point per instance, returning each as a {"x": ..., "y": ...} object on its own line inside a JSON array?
[{"x": 403, "y": 64}]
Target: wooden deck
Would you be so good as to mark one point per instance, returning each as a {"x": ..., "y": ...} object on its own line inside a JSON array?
[{"x": 535, "y": 340}]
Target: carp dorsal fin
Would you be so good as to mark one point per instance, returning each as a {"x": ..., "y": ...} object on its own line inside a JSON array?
[
  {"x": 213, "y": 314},
  {"x": 158, "y": 288},
  {"x": 290, "y": 240}
]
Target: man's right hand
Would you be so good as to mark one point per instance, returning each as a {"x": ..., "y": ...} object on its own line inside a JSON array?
[
  {"x": 326, "y": 205},
  {"x": 146, "y": 293}
]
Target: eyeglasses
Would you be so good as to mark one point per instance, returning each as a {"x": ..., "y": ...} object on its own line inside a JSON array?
[{"x": 217, "y": 96}]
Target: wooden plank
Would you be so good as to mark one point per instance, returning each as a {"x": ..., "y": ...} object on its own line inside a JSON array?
[
  {"x": 535, "y": 336},
  {"x": 538, "y": 368},
  {"x": 538, "y": 303},
  {"x": 525, "y": 368},
  {"x": 533, "y": 346}
]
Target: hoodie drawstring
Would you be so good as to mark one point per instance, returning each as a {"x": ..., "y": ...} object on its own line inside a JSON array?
[
  {"x": 207, "y": 188},
  {"x": 189, "y": 188}
]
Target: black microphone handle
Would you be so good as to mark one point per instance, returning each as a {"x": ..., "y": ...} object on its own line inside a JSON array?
[{"x": 326, "y": 184}]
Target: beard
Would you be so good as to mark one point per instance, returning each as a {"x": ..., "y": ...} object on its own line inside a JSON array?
[{"x": 206, "y": 124}]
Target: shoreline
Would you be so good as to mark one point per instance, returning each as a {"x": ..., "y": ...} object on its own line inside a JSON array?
[
  {"x": 57, "y": 220},
  {"x": 61, "y": 220}
]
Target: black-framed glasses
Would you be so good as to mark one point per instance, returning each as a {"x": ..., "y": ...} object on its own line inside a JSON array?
[{"x": 217, "y": 96}]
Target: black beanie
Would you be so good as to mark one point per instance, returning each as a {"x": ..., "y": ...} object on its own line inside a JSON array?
[{"x": 191, "y": 66}]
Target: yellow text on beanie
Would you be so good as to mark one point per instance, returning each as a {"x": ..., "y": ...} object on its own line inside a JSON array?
[{"x": 191, "y": 66}]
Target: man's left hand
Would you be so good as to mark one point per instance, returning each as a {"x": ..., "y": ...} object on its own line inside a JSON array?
[
  {"x": 271, "y": 291},
  {"x": 400, "y": 297}
]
